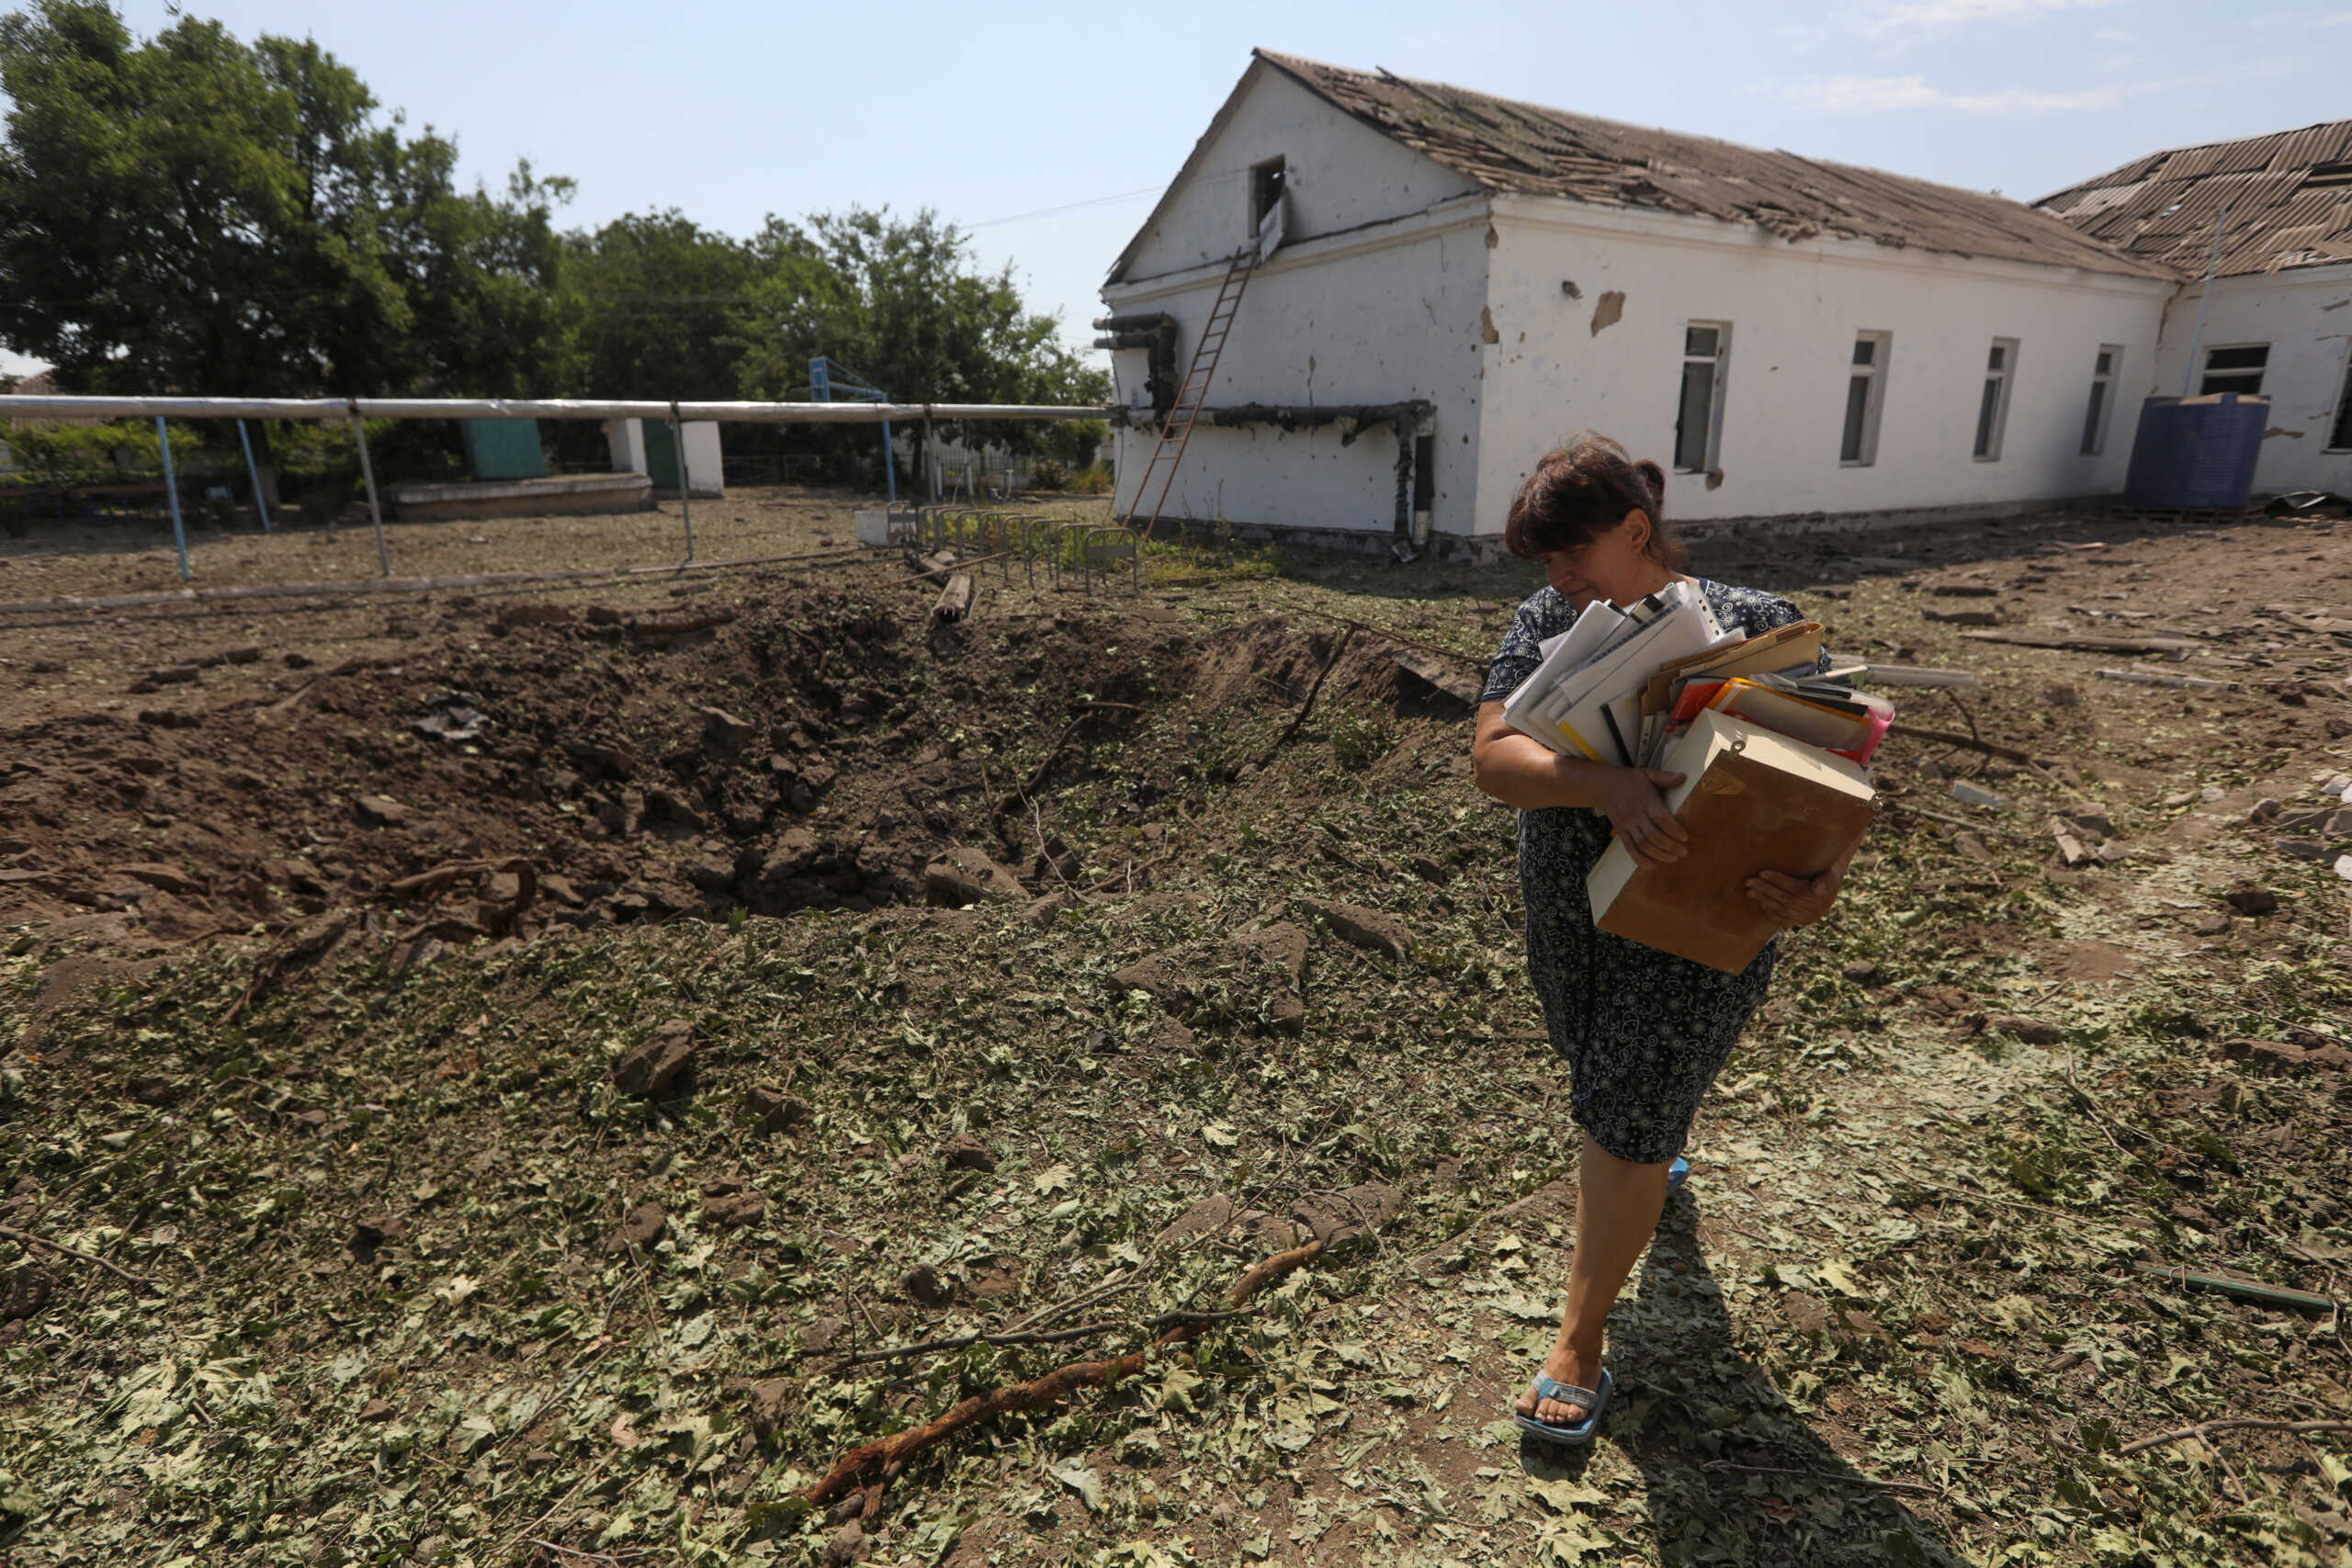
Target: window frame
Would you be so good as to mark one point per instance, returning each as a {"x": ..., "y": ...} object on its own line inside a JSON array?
[
  {"x": 1986, "y": 444},
  {"x": 2339, "y": 418},
  {"x": 1873, "y": 398},
  {"x": 2260, "y": 373},
  {"x": 2097, "y": 420},
  {"x": 1262, "y": 198},
  {"x": 1711, "y": 442}
]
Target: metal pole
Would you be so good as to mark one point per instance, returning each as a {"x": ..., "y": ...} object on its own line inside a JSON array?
[
  {"x": 889, "y": 465},
  {"x": 375, "y": 507},
  {"x": 172, "y": 491},
  {"x": 930, "y": 460},
  {"x": 2188, "y": 376},
  {"x": 253, "y": 474},
  {"x": 686, "y": 486}
]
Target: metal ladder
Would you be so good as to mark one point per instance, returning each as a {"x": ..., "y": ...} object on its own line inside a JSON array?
[{"x": 1176, "y": 431}]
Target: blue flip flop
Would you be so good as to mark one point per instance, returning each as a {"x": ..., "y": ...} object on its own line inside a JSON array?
[{"x": 1594, "y": 1402}]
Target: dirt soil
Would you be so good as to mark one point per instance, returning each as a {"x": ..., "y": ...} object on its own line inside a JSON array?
[{"x": 524, "y": 1048}]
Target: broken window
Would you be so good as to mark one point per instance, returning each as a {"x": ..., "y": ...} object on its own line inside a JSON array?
[
  {"x": 1865, "y": 390},
  {"x": 1267, "y": 181},
  {"x": 2339, "y": 431},
  {"x": 2235, "y": 368},
  {"x": 1993, "y": 408},
  {"x": 1698, "y": 417},
  {"x": 2103, "y": 369}
]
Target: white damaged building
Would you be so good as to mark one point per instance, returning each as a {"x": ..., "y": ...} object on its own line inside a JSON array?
[{"x": 1436, "y": 286}]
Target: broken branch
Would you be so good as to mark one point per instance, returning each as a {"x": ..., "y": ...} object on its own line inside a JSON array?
[
  {"x": 888, "y": 1454},
  {"x": 1298, "y": 720},
  {"x": 1951, "y": 738},
  {"x": 1034, "y": 1335},
  {"x": 2232, "y": 1422},
  {"x": 12, "y": 1234}
]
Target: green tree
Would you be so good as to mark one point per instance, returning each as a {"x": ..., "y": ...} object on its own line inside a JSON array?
[
  {"x": 904, "y": 303},
  {"x": 192, "y": 213},
  {"x": 661, "y": 304}
]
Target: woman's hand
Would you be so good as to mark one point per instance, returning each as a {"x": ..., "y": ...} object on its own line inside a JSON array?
[
  {"x": 1630, "y": 798},
  {"x": 1796, "y": 900}
]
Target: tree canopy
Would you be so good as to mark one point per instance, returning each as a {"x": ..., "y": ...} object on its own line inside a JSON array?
[{"x": 191, "y": 213}]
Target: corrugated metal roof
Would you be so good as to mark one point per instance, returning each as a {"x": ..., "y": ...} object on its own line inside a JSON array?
[
  {"x": 2163, "y": 206},
  {"x": 1534, "y": 151}
]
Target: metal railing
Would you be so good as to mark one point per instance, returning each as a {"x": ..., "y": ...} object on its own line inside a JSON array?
[{"x": 355, "y": 410}]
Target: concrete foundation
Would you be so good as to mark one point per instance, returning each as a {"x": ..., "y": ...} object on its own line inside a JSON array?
[{"x": 558, "y": 495}]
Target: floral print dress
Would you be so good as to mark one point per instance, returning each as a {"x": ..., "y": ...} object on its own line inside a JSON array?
[{"x": 1643, "y": 1032}]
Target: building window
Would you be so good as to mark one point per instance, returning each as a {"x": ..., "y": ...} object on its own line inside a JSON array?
[
  {"x": 1698, "y": 418},
  {"x": 2102, "y": 403},
  {"x": 1865, "y": 391},
  {"x": 1993, "y": 408},
  {"x": 2339, "y": 431},
  {"x": 1266, "y": 183},
  {"x": 2236, "y": 368}
]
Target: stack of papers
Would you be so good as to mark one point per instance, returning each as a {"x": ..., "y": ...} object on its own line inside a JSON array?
[{"x": 1586, "y": 699}]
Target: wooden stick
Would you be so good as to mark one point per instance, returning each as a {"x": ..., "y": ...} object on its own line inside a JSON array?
[
  {"x": 888, "y": 1454},
  {"x": 1950, "y": 738},
  {"x": 1298, "y": 720},
  {"x": 1034, "y": 1336},
  {"x": 12, "y": 1234},
  {"x": 2233, "y": 1423},
  {"x": 1826, "y": 1475}
]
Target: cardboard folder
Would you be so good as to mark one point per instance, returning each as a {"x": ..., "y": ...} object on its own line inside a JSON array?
[{"x": 1752, "y": 800}]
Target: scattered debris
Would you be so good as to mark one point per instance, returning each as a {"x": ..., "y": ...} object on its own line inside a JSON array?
[
  {"x": 1369, "y": 929},
  {"x": 452, "y": 715},
  {"x": 653, "y": 1067}
]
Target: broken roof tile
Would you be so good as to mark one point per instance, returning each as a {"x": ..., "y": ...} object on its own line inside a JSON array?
[
  {"x": 1527, "y": 148},
  {"x": 2284, "y": 209}
]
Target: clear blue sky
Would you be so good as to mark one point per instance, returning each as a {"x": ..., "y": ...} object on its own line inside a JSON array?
[{"x": 730, "y": 110}]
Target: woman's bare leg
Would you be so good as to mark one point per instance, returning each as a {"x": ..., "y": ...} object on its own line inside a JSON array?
[{"x": 1618, "y": 1205}]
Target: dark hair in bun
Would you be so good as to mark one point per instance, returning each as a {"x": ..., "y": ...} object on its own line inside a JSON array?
[{"x": 1587, "y": 488}]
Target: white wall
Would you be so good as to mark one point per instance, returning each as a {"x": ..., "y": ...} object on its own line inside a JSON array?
[
  {"x": 2305, "y": 315},
  {"x": 1795, "y": 312},
  {"x": 1379, "y": 317},
  {"x": 1341, "y": 175}
]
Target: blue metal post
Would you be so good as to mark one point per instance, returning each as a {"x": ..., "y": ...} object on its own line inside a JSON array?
[
  {"x": 890, "y": 464},
  {"x": 172, "y": 493},
  {"x": 253, "y": 474}
]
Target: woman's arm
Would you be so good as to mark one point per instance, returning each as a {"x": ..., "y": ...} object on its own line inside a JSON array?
[{"x": 1521, "y": 771}]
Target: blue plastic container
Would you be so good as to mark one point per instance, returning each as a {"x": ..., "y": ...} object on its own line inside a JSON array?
[{"x": 2196, "y": 452}]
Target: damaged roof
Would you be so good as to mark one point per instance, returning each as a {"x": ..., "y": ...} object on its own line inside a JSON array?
[
  {"x": 1529, "y": 149},
  {"x": 2288, "y": 194}
]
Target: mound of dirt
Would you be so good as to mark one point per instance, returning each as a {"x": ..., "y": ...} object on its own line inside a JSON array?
[{"x": 802, "y": 749}]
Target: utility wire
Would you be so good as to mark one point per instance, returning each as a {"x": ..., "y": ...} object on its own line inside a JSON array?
[{"x": 1070, "y": 207}]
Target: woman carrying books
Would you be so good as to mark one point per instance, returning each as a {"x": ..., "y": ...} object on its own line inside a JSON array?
[{"x": 1643, "y": 1032}]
